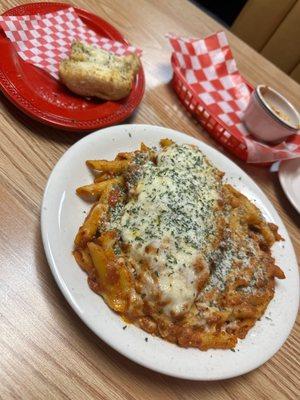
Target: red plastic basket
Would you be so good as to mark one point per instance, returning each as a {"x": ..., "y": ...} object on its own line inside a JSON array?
[{"x": 212, "y": 124}]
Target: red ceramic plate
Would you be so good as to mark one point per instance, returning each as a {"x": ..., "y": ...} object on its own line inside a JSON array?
[{"x": 43, "y": 98}]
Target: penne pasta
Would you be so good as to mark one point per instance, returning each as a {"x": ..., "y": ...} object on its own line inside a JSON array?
[
  {"x": 89, "y": 228},
  {"x": 143, "y": 234},
  {"x": 115, "y": 167}
]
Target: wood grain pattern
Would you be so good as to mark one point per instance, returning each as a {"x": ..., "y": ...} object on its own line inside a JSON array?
[{"x": 46, "y": 351}]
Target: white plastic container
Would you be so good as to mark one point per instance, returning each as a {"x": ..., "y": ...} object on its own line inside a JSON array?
[{"x": 270, "y": 116}]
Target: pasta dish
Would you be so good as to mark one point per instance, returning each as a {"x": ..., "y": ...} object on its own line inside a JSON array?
[{"x": 175, "y": 250}]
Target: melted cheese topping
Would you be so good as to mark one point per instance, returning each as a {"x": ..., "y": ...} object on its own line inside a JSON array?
[{"x": 170, "y": 223}]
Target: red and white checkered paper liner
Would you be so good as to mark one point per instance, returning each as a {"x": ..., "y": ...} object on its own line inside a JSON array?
[
  {"x": 45, "y": 40},
  {"x": 210, "y": 71}
]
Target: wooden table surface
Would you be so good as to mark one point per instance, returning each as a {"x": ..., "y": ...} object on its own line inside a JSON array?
[{"x": 46, "y": 351}]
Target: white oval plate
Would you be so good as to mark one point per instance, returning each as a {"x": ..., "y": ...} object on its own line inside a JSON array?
[
  {"x": 289, "y": 177},
  {"x": 63, "y": 213}
]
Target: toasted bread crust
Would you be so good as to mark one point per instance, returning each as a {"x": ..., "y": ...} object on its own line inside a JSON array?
[{"x": 95, "y": 72}]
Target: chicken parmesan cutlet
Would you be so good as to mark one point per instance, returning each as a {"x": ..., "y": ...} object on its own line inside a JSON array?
[{"x": 173, "y": 249}]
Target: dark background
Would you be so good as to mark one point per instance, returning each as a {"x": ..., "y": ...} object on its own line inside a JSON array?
[{"x": 224, "y": 11}]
